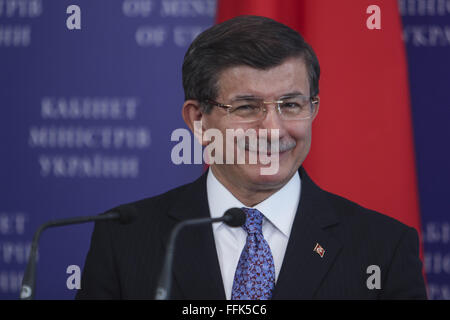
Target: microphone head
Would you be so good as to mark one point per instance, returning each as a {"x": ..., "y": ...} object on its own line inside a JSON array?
[
  {"x": 127, "y": 213},
  {"x": 235, "y": 217}
]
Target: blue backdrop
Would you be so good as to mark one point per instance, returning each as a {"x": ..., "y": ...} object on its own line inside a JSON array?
[
  {"x": 87, "y": 118},
  {"x": 426, "y": 33}
]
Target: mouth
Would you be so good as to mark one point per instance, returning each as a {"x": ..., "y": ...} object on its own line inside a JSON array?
[{"x": 267, "y": 148}]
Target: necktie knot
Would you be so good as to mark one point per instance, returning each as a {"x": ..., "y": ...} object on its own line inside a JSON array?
[{"x": 253, "y": 224}]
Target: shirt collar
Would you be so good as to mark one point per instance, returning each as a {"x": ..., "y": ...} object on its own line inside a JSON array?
[{"x": 280, "y": 208}]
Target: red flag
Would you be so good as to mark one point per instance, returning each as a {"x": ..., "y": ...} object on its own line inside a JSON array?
[{"x": 362, "y": 140}]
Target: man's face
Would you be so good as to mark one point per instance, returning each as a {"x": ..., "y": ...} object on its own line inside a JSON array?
[{"x": 269, "y": 85}]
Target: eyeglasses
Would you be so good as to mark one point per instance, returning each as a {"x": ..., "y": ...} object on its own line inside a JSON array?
[{"x": 298, "y": 107}]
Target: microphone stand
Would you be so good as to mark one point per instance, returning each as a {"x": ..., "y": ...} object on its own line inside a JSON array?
[
  {"x": 27, "y": 291},
  {"x": 165, "y": 281}
]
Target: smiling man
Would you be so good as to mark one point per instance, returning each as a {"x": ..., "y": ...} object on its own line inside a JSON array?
[
  {"x": 299, "y": 241},
  {"x": 259, "y": 99}
]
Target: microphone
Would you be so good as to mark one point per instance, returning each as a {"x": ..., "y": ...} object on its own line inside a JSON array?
[
  {"x": 124, "y": 214},
  {"x": 233, "y": 217}
]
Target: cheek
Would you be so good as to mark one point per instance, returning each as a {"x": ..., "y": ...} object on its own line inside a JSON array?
[
  {"x": 302, "y": 136},
  {"x": 301, "y": 133}
]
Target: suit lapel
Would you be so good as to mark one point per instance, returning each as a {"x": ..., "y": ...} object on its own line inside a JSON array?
[
  {"x": 196, "y": 267},
  {"x": 303, "y": 268}
]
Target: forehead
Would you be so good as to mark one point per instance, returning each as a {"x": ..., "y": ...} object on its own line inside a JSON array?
[{"x": 290, "y": 76}]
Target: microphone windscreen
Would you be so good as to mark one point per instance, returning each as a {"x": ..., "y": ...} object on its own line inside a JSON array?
[
  {"x": 235, "y": 217},
  {"x": 127, "y": 213}
]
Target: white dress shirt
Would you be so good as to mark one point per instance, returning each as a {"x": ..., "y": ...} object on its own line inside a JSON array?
[{"x": 279, "y": 212}]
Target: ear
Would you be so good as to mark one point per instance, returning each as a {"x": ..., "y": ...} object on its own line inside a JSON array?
[
  {"x": 193, "y": 116},
  {"x": 316, "y": 109}
]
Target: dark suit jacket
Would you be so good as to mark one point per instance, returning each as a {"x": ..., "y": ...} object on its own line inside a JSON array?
[{"x": 124, "y": 261}]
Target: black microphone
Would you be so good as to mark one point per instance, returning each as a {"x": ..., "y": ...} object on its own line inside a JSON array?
[
  {"x": 233, "y": 217},
  {"x": 124, "y": 213}
]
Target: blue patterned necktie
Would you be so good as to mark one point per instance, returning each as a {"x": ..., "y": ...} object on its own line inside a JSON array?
[{"x": 255, "y": 273}]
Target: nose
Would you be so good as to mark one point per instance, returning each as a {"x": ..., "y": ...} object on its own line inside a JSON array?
[{"x": 272, "y": 119}]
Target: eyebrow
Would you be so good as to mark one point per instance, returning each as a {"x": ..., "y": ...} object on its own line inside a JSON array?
[
  {"x": 291, "y": 94},
  {"x": 252, "y": 97}
]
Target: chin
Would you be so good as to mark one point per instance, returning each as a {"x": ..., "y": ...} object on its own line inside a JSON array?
[{"x": 269, "y": 181}]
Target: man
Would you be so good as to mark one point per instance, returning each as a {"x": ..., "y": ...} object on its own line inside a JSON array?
[{"x": 299, "y": 242}]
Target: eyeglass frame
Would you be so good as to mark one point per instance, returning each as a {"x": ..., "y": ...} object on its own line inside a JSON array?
[{"x": 227, "y": 107}]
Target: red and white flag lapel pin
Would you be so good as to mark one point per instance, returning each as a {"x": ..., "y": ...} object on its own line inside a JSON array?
[{"x": 319, "y": 250}]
